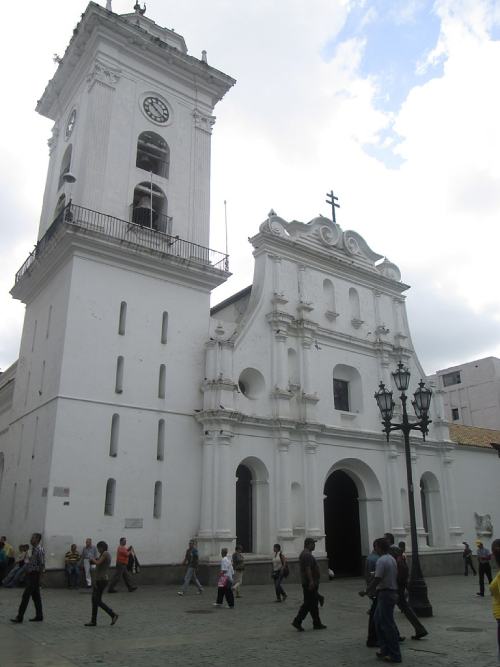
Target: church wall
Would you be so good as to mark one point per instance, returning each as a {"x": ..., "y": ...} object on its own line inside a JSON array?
[
  {"x": 82, "y": 463},
  {"x": 476, "y": 481}
]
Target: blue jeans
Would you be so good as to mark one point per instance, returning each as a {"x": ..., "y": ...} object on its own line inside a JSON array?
[
  {"x": 385, "y": 627},
  {"x": 73, "y": 573},
  {"x": 191, "y": 576}
]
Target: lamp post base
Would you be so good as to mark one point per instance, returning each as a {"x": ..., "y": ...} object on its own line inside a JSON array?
[{"x": 419, "y": 602}]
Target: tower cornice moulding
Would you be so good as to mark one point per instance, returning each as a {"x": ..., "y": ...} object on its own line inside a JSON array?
[{"x": 103, "y": 74}]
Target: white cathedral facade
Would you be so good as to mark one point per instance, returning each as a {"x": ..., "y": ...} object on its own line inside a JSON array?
[{"x": 135, "y": 410}]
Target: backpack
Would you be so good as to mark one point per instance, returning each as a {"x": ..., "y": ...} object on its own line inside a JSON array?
[
  {"x": 403, "y": 569},
  {"x": 285, "y": 570}
]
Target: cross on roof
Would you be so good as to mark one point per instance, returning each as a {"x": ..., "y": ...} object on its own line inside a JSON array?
[{"x": 332, "y": 200}]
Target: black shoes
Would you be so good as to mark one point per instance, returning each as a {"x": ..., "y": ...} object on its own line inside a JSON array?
[
  {"x": 16, "y": 620},
  {"x": 419, "y": 635},
  {"x": 114, "y": 619},
  {"x": 296, "y": 624},
  {"x": 131, "y": 590},
  {"x": 92, "y": 624},
  {"x": 319, "y": 627},
  {"x": 37, "y": 619}
]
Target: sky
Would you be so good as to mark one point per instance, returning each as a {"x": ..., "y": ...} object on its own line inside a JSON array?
[{"x": 395, "y": 105}]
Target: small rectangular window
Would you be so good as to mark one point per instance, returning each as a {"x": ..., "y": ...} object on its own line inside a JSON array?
[
  {"x": 164, "y": 327},
  {"x": 451, "y": 378},
  {"x": 341, "y": 395},
  {"x": 122, "y": 320},
  {"x": 49, "y": 319},
  {"x": 162, "y": 382},
  {"x": 157, "y": 500},
  {"x": 455, "y": 414},
  {"x": 113, "y": 440},
  {"x": 160, "y": 443},
  {"x": 119, "y": 375}
]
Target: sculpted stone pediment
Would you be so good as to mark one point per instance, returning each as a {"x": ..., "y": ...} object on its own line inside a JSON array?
[{"x": 325, "y": 234}]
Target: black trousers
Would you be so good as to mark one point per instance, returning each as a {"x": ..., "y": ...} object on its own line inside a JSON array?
[
  {"x": 309, "y": 606},
  {"x": 467, "y": 564},
  {"x": 97, "y": 591},
  {"x": 226, "y": 592},
  {"x": 31, "y": 590},
  {"x": 484, "y": 569},
  {"x": 403, "y": 605}
]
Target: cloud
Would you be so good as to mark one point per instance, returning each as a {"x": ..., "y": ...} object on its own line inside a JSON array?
[{"x": 411, "y": 152}]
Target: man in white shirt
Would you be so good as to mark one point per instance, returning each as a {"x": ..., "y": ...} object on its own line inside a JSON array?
[{"x": 385, "y": 583}]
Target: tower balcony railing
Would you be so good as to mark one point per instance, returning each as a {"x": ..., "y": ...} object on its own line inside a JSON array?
[{"x": 134, "y": 234}]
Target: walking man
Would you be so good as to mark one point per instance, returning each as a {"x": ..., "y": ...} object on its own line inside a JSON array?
[
  {"x": 467, "y": 556},
  {"x": 122, "y": 554},
  {"x": 309, "y": 574},
  {"x": 34, "y": 569},
  {"x": 238, "y": 567},
  {"x": 191, "y": 559},
  {"x": 403, "y": 575},
  {"x": 386, "y": 587},
  {"x": 484, "y": 567},
  {"x": 89, "y": 553}
]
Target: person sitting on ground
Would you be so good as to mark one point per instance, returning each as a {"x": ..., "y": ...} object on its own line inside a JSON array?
[
  {"x": 16, "y": 575},
  {"x": 71, "y": 565}
]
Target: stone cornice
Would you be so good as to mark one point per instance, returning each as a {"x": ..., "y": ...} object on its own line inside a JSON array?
[
  {"x": 114, "y": 27},
  {"x": 326, "y": 260},
  {"x": 70, "y": 241}
]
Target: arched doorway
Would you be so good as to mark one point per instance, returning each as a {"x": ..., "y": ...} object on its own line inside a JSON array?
[
  {"x": 342, "y": 524},
  {"x": 244, "y": 508}
]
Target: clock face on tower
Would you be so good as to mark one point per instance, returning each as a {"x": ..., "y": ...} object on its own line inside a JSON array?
[
  {"x": 156, "y": 109},
  {"x": 71, "y": 124}
]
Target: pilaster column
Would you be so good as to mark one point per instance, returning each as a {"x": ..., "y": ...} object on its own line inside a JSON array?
[
  {"x": 454, "y": 530},
  {"x": 281, "y": 370},
  {"x": 422, "y": 537},
  {"x": 394, "y": 492},
  {"x": 217, "y": 494},
  {"x": 207, "y": 512},
  {"x": 284, "y": 489},
  {"x": 199, "y": 209},
  {"x": 313, "y": 492},
  {"x": 102, "y": 81}
]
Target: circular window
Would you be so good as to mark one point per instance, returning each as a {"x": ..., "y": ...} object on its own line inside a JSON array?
[{"x": 251, "y": 383}]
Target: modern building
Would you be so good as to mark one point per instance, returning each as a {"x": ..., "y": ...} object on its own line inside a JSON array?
[
  {"x": 133, "y": 410},
  {"x": 471, "y": 393}
]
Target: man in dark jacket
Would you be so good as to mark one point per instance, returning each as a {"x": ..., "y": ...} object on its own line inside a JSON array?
[{"x": 309, "y": 574}]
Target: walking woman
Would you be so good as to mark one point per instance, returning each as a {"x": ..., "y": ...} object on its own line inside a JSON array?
[
  {"x": 225, "y": 581},
  {"x": 279, "y": 572},
  {"x": 101, "y": 581},
  {"x": 495, "y": 592}
]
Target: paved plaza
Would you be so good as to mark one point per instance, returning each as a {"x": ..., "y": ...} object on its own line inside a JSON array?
[{"x": 157, "y": 627}]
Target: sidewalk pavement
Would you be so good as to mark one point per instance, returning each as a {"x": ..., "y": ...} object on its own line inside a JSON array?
[{"x": 157, "y": 627}]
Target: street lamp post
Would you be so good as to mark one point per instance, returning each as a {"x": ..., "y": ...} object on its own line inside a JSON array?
[{"x": 417, "y": 587}]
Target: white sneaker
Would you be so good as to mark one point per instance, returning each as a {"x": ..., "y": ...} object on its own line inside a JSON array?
[
  {"x": 200, "y": 592},
  {"x": 180, "y": 593},
  {"x": 216, "y": 604}
]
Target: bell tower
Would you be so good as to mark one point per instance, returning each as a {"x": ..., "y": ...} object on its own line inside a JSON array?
[
  {"x": 133, "y": 120},
  {"x": 117, "y": 293}
]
